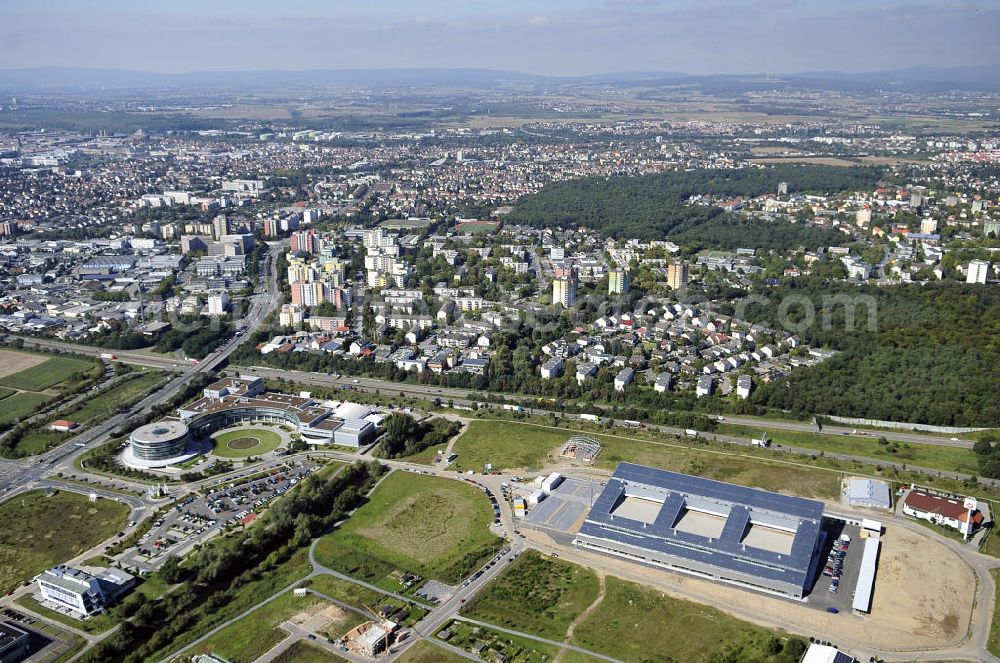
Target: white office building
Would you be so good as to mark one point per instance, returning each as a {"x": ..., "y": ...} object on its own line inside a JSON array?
[
  {"x": 977, "y": 272},
  {"x": 80, "y": 592},
  {"x": 218, "y": 303}
]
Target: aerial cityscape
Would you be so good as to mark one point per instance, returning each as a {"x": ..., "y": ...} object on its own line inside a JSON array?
[{"x": 534, "y": 332}]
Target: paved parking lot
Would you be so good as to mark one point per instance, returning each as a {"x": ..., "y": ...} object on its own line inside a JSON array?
[
  {"x": 564, "y": 507},
  {"x": 821, "y": 597},
  {"x": 199, "y": 518}
]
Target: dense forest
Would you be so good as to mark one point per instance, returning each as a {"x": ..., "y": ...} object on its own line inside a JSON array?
[
  {"x": 933, "y": 356},
  {"x": 654, "y": 206},
  {"x": 728, "y": 231}
]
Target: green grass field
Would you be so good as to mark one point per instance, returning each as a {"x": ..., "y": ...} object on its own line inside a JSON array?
[
  {"x": 85, "y": 413},
  {"x": 303, "y": 652},
  {"x": 6, "y": 391},
  {"x": 514, "y": 649},
  {"x": 243, "y": 443},
  {"x": 41, "y": 531},
  {"x": 344, "y": 591},
  {"x": 39, "y": 441},
  {"x": 423, "y": 652},
  {"x": 437, "y": 528},
  {"x": 536, "y": 594},
  {"x": 635, "y": 623},
  {"x": 153, "y": 587},
  {"x": 104, "y": 403},
  {"x": 512, "y": 444},
  {"x": 246, "y": 640},
  {"x": 362, "y": 597},
  {"x": 21, "y": 405},
  {"x": 427, "y": 456},
  {"x": 47, "y": 374},
  {"x": 925, "y": 455}
]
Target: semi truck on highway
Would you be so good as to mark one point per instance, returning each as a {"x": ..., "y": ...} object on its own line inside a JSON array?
[
  {"x": 591, "y": 417},
  {"x": 108, "y": 355}
]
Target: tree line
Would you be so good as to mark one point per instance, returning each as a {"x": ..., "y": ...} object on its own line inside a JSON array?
[{"x": 211, "y": 577}]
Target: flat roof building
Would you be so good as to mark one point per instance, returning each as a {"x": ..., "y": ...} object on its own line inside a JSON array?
[
  {"x": 818, "y": 653},
  {"x": 862, "y": 601},
  {"x": 13, "y": 642},
  {"x": 245, "y": 400},
  {"x": 82, "y": 592},
  {"x": 720, "y": 531},
  {"x": 868, "y": 493}
]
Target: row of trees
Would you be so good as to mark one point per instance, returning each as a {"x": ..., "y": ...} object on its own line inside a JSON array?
[
  {"x": 211, "y": 576},
  {"x": 987, "y": 448}
]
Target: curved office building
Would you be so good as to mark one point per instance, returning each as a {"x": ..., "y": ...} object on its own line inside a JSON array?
[
  {"x": 158, "y": 444},
  {"x": 206, "y": 424}
]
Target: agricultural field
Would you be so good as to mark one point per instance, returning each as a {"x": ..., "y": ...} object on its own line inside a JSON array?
[
  {"x": 516, "y": 445},
  {"x": 245, "y": 443},
  {"x": 46, "y": 374},
  {"x": 42, "y": 531},
  {"x": 636, "y": 623},
  {"x": 536, "y": 594},
  {"x": 87, "y": 412},
  {"x": 437, "y": 528}
]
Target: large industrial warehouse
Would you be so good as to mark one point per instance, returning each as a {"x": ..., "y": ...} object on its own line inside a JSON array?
[{"x": 743, "y": 536}]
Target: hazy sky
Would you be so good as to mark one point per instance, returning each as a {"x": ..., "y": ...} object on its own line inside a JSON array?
[{"x": 545, "y": 36}]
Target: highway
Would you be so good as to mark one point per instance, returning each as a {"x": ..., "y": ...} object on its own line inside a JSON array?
[
  {"x": 26, "y": 471},
  {"x": 23, "y": 474},
  {"x": 460, "y": 397}
]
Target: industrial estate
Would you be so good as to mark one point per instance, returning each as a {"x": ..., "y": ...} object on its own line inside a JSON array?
[{"x": 435, "y": 364}]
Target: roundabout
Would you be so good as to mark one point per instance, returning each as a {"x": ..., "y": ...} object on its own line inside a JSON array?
[{"x": 245, "y": 442}]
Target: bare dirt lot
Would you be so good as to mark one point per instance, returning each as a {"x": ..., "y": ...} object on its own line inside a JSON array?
[
  {"x": 921, "y": 588},
  {"x": 822, "y": 161},
  {"x": 319, "y": 617},
  {"x": 922, "y": 600},
  {"x": 14, "y": 362}
]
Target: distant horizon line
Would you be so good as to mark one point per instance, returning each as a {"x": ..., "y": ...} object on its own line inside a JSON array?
[{"x": 493, "y": 70}]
